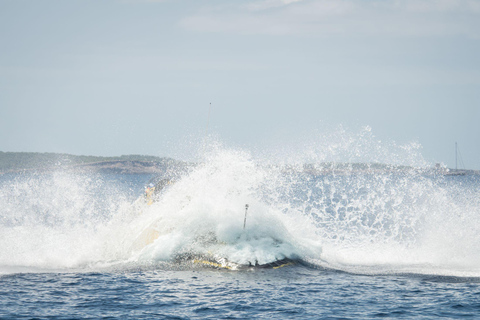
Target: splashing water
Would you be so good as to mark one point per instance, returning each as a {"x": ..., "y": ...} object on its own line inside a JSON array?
[
  {"x": 53, "y": 220},
  {"x": 358, "y": 217}
]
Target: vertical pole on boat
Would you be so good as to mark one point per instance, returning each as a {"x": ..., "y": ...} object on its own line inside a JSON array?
[{"x": 245, "y": 220}]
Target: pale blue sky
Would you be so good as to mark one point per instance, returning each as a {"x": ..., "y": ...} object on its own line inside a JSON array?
[{"x": 136, "y": 77}]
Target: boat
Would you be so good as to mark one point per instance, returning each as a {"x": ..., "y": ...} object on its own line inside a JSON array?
[
  {"x": 456, "y": 171},
  {"x": 223, "y": 263},
  {"x": 209, "y": 256}
]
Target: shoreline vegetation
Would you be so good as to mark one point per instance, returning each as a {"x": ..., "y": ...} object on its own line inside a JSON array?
[{"x": 17, "y": 162}]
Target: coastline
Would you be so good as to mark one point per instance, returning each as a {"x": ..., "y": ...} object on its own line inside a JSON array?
[{"x": 20, "y": 162}]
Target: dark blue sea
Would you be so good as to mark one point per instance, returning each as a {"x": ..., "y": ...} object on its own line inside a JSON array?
[
  {"x": 289, "y": 293},
  {"x": 364, "y": 243}
]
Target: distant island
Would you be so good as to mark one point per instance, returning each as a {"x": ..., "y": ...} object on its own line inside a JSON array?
[
  {"x": 125, "y": 164},
  {"x": 11, "y": 162}
]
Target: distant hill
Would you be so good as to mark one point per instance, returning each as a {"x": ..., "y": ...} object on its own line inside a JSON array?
[
  {"x": 135, "y": 164},
  {"x": 22, "y": 161}
]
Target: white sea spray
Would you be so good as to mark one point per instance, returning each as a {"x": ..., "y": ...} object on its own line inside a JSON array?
[{"x": 337, "y": 210}]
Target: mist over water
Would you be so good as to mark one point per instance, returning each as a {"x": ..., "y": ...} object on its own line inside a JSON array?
[{"x": 304, "y": 204}]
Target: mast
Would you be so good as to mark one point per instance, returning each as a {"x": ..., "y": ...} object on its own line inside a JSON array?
[{"x": 456, "y": 166}]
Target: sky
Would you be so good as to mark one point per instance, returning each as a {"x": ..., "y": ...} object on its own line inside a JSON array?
[{"x": 117, "y": 77}]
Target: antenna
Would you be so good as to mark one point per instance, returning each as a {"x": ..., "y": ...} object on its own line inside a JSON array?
[{"x": 245, "y": 220}]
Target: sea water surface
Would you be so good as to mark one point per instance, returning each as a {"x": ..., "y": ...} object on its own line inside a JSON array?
[{"x": 389, "y": 243}]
